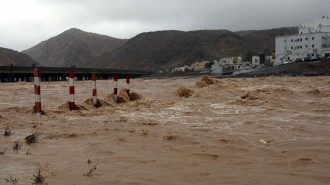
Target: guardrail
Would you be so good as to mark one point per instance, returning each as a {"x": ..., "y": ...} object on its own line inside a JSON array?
[{"x": 20, "y": 73}]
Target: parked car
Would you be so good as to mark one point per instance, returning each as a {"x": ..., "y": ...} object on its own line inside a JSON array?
[
  {"x": 315, "y": 58},
  {"x": 307, "y": 59},
  {"x": 298, "y": 60}
]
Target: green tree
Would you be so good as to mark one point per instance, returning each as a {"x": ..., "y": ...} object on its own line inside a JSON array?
[
  {"x": 248, "y": 56},
  {"x": 209, "y": 65}
]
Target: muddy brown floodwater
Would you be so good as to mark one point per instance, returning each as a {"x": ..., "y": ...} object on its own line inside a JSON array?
[{"x": 273, "y": 130}]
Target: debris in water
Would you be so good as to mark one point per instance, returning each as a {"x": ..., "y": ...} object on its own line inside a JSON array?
[
  {"x": 17, "y": 146},
  {"x": 91, "y": 171},
  {"x": 3, "y": 151},
  {"x": 12, "y": 180},
  {"x": 7, "y": 131},
  {"x": 38, "y": 179},
  {"x": 32, "y": 138}
]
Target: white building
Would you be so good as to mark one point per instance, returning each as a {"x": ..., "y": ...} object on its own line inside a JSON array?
[
  {"x": 255, "y": 61},
  {"x": 180, "y": 69},
  {"x": 216, "y": 67},
  {"x": 312, "y": 41},
  {"x": 232, "y": 61},
  {"x": 228, "y": 60}
]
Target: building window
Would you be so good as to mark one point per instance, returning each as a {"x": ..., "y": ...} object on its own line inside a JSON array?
[
  {"x": 306, "y": 38},
  {"x": 300, "y": 39},
  {"x": 312, "y": 38},
  {"x": 284, "y": 41},
  {"x": 306, "y": 46},
  {"x": 291, "y": 47},
  {"x": 291, "y": 40},
  {"x": 312, "y": 46}
]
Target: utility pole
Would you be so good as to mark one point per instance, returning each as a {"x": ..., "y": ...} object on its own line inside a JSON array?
[
  {"x": 11, "y": 72},
  {"x": 47, "y": 54}
]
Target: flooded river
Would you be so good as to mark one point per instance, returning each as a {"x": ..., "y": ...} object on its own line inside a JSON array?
[{"x": 273, "y": 130}]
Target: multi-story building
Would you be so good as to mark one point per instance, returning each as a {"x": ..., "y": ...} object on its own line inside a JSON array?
[
  {"x": 313, "y": 41},
  {"x": 255, "y": 61}
]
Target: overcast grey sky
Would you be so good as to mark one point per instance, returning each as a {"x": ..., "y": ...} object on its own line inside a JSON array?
[{"x": 25, "y": 23}]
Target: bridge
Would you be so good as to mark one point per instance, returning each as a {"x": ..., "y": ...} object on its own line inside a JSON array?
[{"x": 19, "y": 73}]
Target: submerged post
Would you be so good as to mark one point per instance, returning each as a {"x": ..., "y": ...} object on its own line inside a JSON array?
[
  {"x": 127, "y": 83},
  {"x": 36, "y": 75},
  {"x": 71, "y": 86},
  {"x": 94, "y": 89},
  {"x": 115, "y": 90}
]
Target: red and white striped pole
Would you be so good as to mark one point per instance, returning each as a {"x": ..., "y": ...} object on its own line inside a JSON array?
[
  {"x": 36, "y": 75},
  {"x": 115, "y": 90},
  {"x": 127, "y": 85},
  {"x": 71, "y": 86},
  {"x": 94, "y": 89}
]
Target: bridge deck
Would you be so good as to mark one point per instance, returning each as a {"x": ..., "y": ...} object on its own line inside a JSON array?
[{"x": 19, "y": 73}]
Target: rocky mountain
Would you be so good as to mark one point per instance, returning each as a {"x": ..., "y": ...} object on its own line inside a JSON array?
[
  {"x": 167, "y": 49},
  {"x": 8, "y": 57},
  {"x": 152, "y": 50},
  {"x": 73, "y": 47}
]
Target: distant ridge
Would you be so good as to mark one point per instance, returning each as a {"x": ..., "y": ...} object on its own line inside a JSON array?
[
  {"x": 73, "y": 47},
  {"x": 166, "y": 49},
  {"x": 151, "y": 50},
  {"x": 8, "y": 57}
]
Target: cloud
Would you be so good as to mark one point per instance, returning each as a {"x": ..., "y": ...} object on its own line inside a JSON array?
[{"x": 26, "y": 23}]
